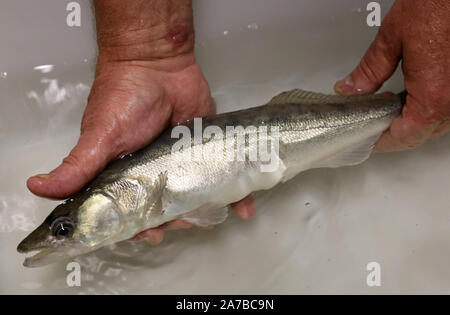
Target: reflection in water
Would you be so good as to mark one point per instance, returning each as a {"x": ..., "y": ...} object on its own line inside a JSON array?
[
  {"x": 44, "y": 68},
  {"x": 16, "y": 214},
  {"x": 253, "y": 26},
  {"x": 56, "y": 103}
]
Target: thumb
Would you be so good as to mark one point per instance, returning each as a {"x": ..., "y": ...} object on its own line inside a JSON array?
[
  {"x": 411, "y": 129},
  {"x": 85, "y": 161},
  {"x": 378, "y": 63}
]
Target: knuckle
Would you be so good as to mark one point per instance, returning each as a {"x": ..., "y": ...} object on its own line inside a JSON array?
[
  {"x": 94, "y": 120},
  {"x": 438, "y": 105},
  {"x": 76, "y": 163},
  {"x": 430, "y": 105},
  {"x": 408, "y": 141},
  {"x": 367, "y": 71},
  {"x": 72, "y": 160},
  {"x": 380, "y": 60}
]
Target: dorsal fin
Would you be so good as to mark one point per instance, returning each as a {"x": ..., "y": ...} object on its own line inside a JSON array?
[{"x": 301, "y": 96}]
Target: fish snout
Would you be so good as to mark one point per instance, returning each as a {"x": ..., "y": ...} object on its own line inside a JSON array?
[
  {"x": 39, "y": 239},
  {"x": 29, "y": 244},
  {"x": 23, "y": 247}
]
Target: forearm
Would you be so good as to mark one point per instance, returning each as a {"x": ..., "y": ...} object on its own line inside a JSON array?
[{"x": 144, "y": 30}]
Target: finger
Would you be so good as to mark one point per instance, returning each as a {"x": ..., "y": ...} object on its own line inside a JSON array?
[
  {"x": 155, "y": 236},
  {"x": 176, "y": 225},
  {"x": 91, "y": 154},
  {"x": 245, "y": 208},
  {"x": 442, "y": 129},
  {"x": 152, "y": 236},
  {"x": 378, "y": 63},
  {"x": 408, "y": 131}
]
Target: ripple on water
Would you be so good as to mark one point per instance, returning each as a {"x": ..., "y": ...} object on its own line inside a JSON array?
[{"x": 16, "y": 213}]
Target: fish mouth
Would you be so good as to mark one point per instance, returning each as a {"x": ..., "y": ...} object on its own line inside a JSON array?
[
  {"x": 39, "y": 252},
  {"x": 38, "y": 259},
  {"x": 38, "y": 256},
  {"x": 44, "y": 255},
  {"x": 42, "y": 250},
  {"x": 24, "y": 247}
]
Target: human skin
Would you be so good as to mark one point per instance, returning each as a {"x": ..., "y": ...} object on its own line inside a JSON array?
[
  {"x": 146, "y": 80},
  {"x": 418, "y": 33}
]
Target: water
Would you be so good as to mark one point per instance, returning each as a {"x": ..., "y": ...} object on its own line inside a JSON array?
[{"x": 314, "y": 234}]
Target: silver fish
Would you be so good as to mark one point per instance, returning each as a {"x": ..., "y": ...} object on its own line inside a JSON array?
[{"x": 153, "y": 185}]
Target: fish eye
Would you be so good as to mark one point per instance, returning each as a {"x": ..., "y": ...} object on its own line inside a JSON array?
[{"x": 62, "y": 227}]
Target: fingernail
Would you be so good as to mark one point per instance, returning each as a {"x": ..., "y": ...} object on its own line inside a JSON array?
[
  {"x": 43, "y": 176},
  {"x": 345, "y": 85},
  {"x": 155, "y": 239},
  {"x": 248, "y": 214},
  {"x": 348, "y": 81}
]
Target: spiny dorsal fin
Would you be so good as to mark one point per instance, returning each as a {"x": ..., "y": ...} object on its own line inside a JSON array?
[{"x": 301, "y": 96}]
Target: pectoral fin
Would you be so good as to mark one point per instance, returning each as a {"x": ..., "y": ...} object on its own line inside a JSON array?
[
  {"x": 154, "y": 198},
  {"x": 151, "y": 204}
]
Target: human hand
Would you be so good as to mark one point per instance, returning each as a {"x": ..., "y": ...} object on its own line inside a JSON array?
[
  {"x": 417, "y": 32},
  {"x": 132, "y": 100}
]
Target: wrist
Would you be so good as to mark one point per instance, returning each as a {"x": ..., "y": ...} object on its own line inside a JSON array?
[
  {"x": 159, "y": 42},
  {"x": 144, "y": 30}
]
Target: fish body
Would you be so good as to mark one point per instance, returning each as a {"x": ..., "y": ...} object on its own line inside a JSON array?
[{"x": 158, "y": 183}]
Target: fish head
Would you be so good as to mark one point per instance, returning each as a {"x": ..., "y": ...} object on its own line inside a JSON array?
[{"x": 77, "y": 226}]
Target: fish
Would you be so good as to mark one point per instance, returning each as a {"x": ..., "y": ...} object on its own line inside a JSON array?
[{"x": 163, "y": 181}]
